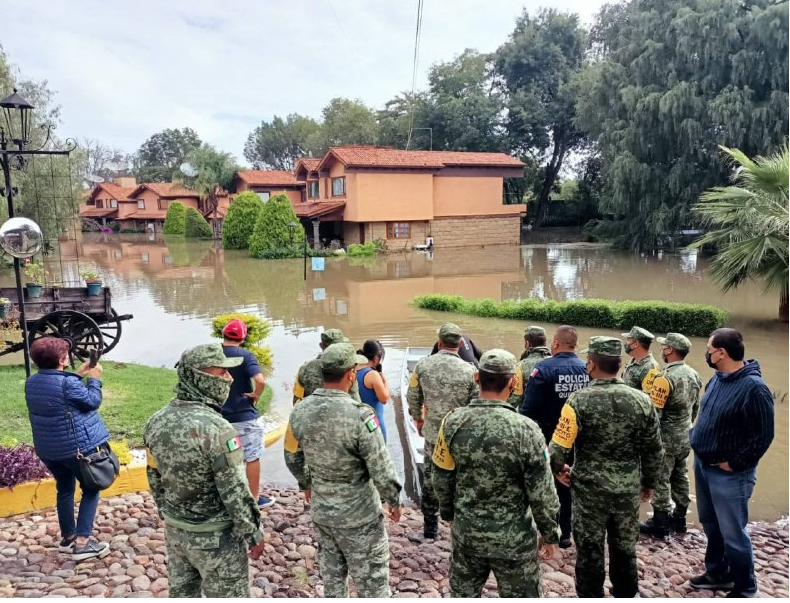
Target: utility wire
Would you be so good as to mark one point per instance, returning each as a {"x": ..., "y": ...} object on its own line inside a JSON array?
[{"x": 415, "y": 65}]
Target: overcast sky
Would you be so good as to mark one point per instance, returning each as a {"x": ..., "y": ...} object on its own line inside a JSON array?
[{"x": 123, "y": 70}]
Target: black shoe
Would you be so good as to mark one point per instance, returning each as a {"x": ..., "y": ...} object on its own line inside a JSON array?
[
  {"x": 431, "y": 526},
  {"x": 736, "y": 594},
  {"x": 89, "y": 550},
  {"x": 677, "y": 524},
  {"x": 708, "y": 582},
  {"x": 67, "y": 544},
  {"x": 657, "y": 526},
  {"x": 565, "y": 543}
]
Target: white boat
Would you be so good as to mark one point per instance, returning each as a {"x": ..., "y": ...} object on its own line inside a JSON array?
[{"x": 415, "y": 440}]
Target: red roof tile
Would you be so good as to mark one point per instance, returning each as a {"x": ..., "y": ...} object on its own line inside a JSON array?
[
  {"x": 385, "y": 157},
  {"x": 115, "y": 191},
  {"x": 166, "y": 189},
  {"x": 147, "y": 214},
  {"x": 267, "y": 177},
  {"x": 315, "y": 209},
  {"x": 309, "y": 163},
  {"x": 87, "y": 211}
]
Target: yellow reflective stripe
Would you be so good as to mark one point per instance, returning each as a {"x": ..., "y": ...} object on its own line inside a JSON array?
[
  {"x": 291, "y": 443},
  {"x": 150, "y": 459},
  {"x": 441, "y": 452},
  {"x": 414, "y": 380},
  {"x": 567, "y": 428},
  {"x": 659, "y": 392},
  {"x": 519, "y": 388},
  {"x": 298, "y": 388}
]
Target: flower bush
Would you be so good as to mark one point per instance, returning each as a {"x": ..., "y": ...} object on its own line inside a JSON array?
[{"x": 18, "y": 464}]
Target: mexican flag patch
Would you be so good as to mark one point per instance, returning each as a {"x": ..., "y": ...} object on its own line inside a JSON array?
[
  {"x": 373, "y": 423},
  {"x": 234, "y": 444}
]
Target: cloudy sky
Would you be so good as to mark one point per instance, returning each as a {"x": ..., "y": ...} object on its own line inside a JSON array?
[{"x": 123, "y": 70}]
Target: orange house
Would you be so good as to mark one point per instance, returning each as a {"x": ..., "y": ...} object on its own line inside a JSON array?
[
  {"x": 362, "y": 193},
  {"x": 267, "y": 183}
]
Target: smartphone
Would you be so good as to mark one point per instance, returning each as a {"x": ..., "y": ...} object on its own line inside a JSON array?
[{"x": 93, "y": 358}]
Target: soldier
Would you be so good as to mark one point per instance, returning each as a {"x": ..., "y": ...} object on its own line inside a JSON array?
[
  {"x": 535, "y": 350},
  {"x": 675, "y": 394},
  {"x": 615, "y": 432},
  {"x": 197, "y": 479},
  {"x": 494, "y": 499},
  {"x": 308, "y": 378},
  {"x": 642, "y": 368},
  {"x": 439, "y": 384},
  {"x": 334, "y": 449}
]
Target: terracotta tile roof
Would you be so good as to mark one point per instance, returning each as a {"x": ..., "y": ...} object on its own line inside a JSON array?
[
  {"x": 385, "y": 157},
  {"x": 267, "y": 177},
  {"x": 316, "y": 208},
  {"x": 165, "y": 189},
  {"x": 115, "y": 191},
  {"x": 86, "y": 211},
  {"x": 309, "y": 163},
  {"x": 147, "y": 214}
]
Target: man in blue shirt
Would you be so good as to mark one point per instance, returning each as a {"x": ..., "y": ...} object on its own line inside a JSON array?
[
  {"x": 550, "y": 384},
  {"x": 734, "y": 429},
  {"x": 240, "y": 408}
]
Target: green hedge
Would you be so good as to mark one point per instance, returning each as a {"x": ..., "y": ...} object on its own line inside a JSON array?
[
  {"x": 196, "y": 225},
  {"x": 694, "y": 320},
  {"x": 240, "y": 220},
  {"x": 175, "y": 219}
]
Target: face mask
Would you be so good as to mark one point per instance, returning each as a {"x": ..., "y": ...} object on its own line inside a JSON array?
[
  {"x": 664, "y": 356},
  {"x": 629, "y": 350},
  {"x": 199, "y": 385},
  {"x": 708, "y": 360}
]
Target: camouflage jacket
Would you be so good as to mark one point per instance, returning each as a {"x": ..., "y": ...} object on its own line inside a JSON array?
[
  {"x": 310, "y": 377},
  {"x": 439, "y": 383},
  {"x": 334, "y": 447},
  {"x": 492, "y": 476},
  {"x": 616, "y": 438},
  {"x": 675, "y": 394},
  {"x": 529, "y": 359},
  {"x": 639, "y": 374},
  {"x": 196, "y": 471}
]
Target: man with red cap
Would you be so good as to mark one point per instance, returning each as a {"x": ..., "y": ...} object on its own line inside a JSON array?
[{"x": 240, "y": 408}]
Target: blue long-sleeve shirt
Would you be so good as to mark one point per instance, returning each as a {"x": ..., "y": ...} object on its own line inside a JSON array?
[{"x": 736, "y": 419}]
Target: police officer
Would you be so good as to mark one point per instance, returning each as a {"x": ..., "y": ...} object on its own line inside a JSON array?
[
  {"x": 675, "y": 394},
  {"x": 551, "y": 382},
  {"x": 494, "y": 482},
  {"x": 197, "y": 478},
  {"x": 535, "y": 350},
  {"x": 308, "y": 377},
  {"x": 439, "y": 384},
  {"x": 615, "y": 432},
  {"x": 642, "y": 368},
  {"x": 334, "y": 449}
]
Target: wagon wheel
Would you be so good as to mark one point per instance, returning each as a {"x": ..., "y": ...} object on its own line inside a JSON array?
[
  {"x": 80, "y": 330},
  {"x": 111, "y": 331}
]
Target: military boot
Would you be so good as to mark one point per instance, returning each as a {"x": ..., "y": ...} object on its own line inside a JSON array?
[
  {"x": 657, "y": 526},
  {"x": 431, "y": 526},
  {"x": 677, "y": 521}
]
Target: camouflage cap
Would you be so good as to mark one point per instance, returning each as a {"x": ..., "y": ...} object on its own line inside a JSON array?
[
  {"x": 206, "y": 355},
  {"x": 604, "y": 346},
  {"x": 340, "y": 357},
  {"x": 331, "y": 336},
  {"x": 450, "y": 334},
  {"x": 535, "y": 331},
  {"x": 639, "y": 334},
  {"x": 498, "y": 362},
  {"x": 676, "y": 341}
]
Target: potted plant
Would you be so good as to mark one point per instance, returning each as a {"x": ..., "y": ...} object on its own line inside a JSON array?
[
  {"x": 93, "y": 281},
  {"x": 5, "y": 306},
  {"x": 35, "y": 272}
]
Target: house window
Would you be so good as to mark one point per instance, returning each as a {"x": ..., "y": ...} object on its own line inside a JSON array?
[
  {"x": 114, "y": 203},
  {"x": 398, "y": 230},
  {"x": 264, "y": 196},
  {"x": 338, "y": 186},
  {"x": 99, "y": 204},
  {"x": 141, "y": 204},
  {"x": 167, "y": 260},
  {"x": 164, "y": 203},
  {"x": 144, "y": 258},
  {"x": 313, "y": 190}
]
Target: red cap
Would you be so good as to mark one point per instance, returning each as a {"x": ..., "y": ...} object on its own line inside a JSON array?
[{"x": 235, "y": 329}]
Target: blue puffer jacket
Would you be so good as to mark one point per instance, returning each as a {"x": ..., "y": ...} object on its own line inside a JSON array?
[{"x": 50, "y": 394}]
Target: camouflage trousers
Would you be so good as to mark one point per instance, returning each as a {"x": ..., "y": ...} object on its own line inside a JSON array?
[
  {"x": 600, "y": 518},
  {"x": 673, "y": 482},
  {"x": 518, "y": 578},
  {"x": 429, "y": 503},
  {"x": 363, "y": 552},
  {"x": 212, "y": 563}
]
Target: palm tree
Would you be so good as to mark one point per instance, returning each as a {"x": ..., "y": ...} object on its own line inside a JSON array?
[
  {"x": 211, "y": 175},
  {"x": 750, "y": 224}
]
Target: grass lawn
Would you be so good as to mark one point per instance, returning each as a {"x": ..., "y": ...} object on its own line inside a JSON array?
[{"x": 131, "y": 393}]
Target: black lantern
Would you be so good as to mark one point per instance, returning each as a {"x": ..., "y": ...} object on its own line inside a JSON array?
[
  {"x": 292, "y": 228},
  {"x": 16, "y": 113}
]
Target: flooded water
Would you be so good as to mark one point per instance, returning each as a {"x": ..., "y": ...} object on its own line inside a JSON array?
[{"x": 174, "y": 288}]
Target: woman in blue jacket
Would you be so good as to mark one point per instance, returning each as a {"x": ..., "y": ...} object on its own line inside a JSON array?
[{"x": 64, "y": 418}]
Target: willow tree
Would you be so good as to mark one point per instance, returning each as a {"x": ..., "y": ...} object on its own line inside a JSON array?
[
  {"x": 674, "y": 79},
  {"x": 749, "y": 222}
]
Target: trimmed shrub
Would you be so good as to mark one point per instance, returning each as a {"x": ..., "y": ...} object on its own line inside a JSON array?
[
  {"x": 359, "y": 249},
  {"x": 258, "y": 329},
  {"x": 196, "y": 225},
  {"x": 175, "y": 219},
  {"x": 271, "y": 230},
  {"x": 694, "y": 320},
  {"x": 240, "y": 220}
]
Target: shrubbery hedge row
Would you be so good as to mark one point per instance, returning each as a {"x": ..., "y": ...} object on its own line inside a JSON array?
[
  {"x": 659, "y": 317},
  {"x": 196, "y": 226}
]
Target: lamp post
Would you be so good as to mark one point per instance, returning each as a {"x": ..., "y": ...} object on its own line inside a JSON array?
[{"x": 292, "y": 229}]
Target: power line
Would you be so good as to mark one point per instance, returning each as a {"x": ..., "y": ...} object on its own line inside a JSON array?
[{"x": 415, "y": 65}]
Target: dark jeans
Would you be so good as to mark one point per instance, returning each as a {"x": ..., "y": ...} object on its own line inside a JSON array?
[
  {"x": 723, "y": 507},
  {"x": 66, "y": 473}
]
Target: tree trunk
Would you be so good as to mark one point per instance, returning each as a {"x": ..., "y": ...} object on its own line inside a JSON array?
[
  {"x": 552, "y": 170},
  {"x": 783, "y": 306}
]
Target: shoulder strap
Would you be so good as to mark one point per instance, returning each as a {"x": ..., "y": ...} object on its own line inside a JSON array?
[{"x": 71, "y": 417}]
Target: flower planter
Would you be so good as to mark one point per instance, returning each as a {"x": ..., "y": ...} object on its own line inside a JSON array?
[
  {"x": 94, "y": 288},
  {"x": 33, "y": 291}
]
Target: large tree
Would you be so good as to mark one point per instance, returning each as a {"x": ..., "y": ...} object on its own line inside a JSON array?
[
  {"x": 348, "y": 121},
  {"x": 213, "y": 174},
  {"x": 674, "y": 79},
  {"x": 537, "y": 66},
  {"x": 276, "y": 145},
  {"x": 101, "y": 159},
  {"x": 158, "y": 158}
]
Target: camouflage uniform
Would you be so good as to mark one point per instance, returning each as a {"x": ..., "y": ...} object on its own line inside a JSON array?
[
  {"x": 334, "y": 447},
  {"x": 639, "y": 374},
  {"x": 675, "y": 395},
  {"x": 524, "y": 369},
  {"x": 491, "y": 498},
  {"x": 309, "y": 377},
  {"x": 197, "y": 478},
  {"x": 439, "y": 383},
  {"x": 615, "y": 432}
]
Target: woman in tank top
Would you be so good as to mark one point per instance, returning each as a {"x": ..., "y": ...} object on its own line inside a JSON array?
[{"x": 373, "y": 388}]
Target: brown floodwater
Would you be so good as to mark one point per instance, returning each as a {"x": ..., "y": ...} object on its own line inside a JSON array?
[{"x": 174, "y": 288}]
